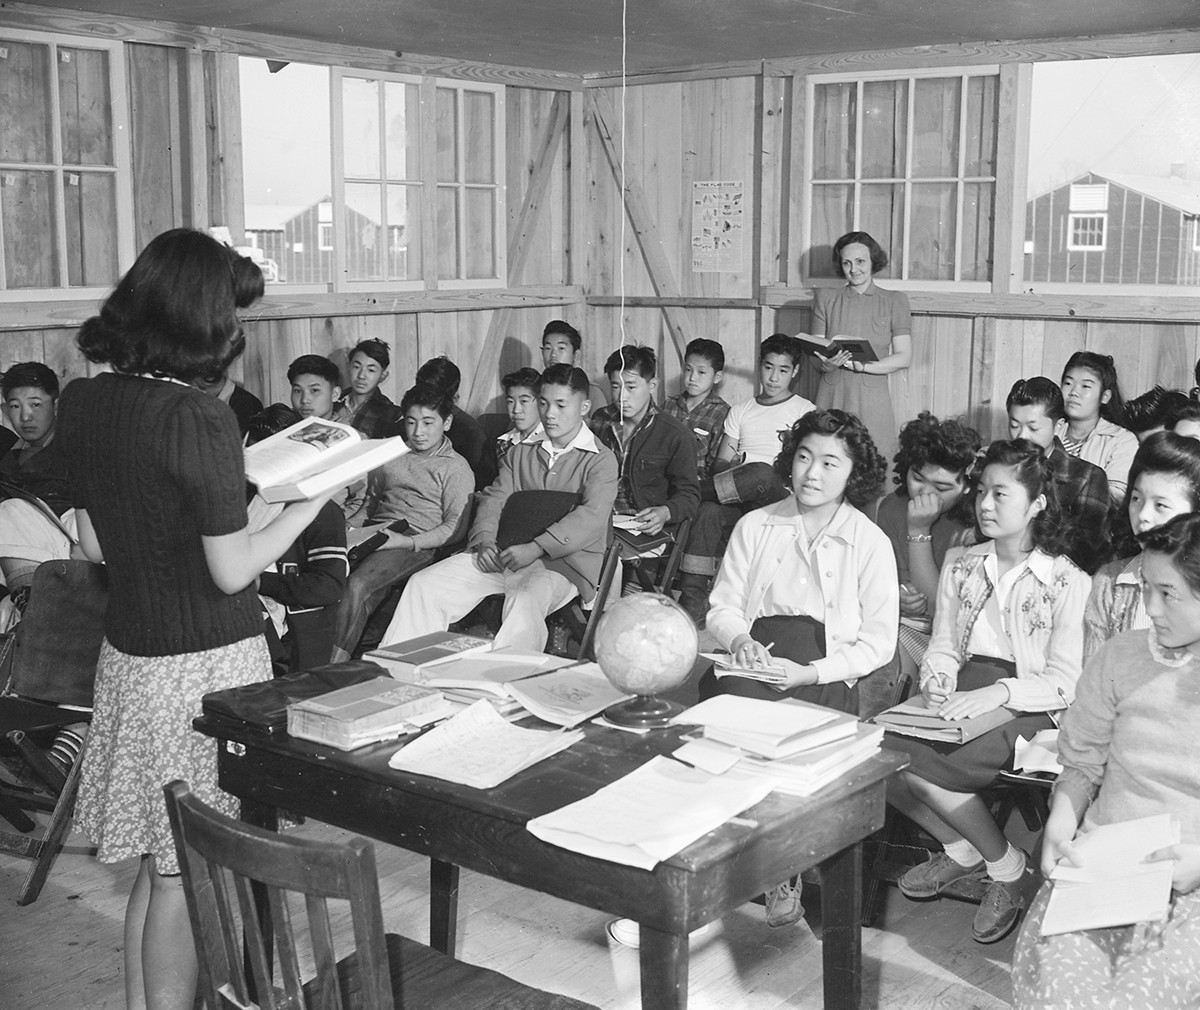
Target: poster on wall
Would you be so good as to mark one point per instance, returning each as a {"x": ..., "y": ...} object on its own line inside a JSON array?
[{"x": 718, "y": 226}]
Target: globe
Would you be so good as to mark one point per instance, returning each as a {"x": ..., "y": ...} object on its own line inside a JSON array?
[{"x": 645, "y": 644}]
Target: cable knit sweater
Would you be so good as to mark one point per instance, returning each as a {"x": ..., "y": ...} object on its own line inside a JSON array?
[{"x": 157, "y": 465}]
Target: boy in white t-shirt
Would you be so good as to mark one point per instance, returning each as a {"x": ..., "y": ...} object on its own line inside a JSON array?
[{"x": 743, "y": 477}]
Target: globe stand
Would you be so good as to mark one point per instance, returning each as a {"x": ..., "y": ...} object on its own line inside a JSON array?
[{"x": 645, "y": 711}]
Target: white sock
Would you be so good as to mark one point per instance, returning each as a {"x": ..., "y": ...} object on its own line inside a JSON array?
[
  {"x": 962, "y": 852},
  {"x": 1008, "y": 867}
]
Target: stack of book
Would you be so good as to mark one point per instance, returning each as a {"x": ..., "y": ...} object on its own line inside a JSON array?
[
  {"x": 472, "y": 676},
  {"x": 915, "y": 718},
  {"x": 406, "y": 660},
  {"x": 365, "y": 713},
  {"x": 798, "y": 747}
]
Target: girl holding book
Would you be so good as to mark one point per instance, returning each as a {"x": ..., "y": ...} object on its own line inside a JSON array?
[
  {"x": 1129, "y": 749},
  {"x": 1164, "y": 482},
  {"x": 161, "y": 489},
  {"x": 1007, "y": 634}
]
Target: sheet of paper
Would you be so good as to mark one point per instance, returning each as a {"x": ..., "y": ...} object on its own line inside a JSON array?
[
  {"x": 708, "y": 755},
  {"x": 1117, "y": 850},
  {"x": 1039, "y": 754},
  {"x": 1141, "y": 897},
  {"x": 567, "y": 696},
  {"x": 649, "y": 814},
  {"x": 755, "y": 715}
]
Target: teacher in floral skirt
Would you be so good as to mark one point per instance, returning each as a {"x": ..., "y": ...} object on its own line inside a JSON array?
[{"x": 863, "y": 309}]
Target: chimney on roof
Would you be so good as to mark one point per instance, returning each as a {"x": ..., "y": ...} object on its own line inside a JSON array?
[{"x": 1178, "y": 170}]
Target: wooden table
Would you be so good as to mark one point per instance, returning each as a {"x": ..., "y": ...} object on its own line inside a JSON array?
[{"x": 458, "y": 826}]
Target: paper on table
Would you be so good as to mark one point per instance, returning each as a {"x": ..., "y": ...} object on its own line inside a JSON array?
[
  {"x": 479, "y": 748},
  {"x": 650, "y": 814},
  {"x": 755, "y": 715},
  {"x": 1039, "y": 754},
  {"x": 708, "y": 755},
  {"x": 567, "y": 696}
]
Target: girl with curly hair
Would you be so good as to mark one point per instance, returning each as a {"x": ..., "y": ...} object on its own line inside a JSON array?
[{"x": 1008, "y": 633}]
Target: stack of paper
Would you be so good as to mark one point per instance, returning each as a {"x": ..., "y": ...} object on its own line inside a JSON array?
[
  {"x": 724, "y": 665},
  {"x": 804, "y": 773},
  {"x": 650, "y": 814},
  {"x": 770, "y": 729},
  {"x": 479, "y": 748},
  {"x": 568, "y": 696},
  {"x": 476, "y": 675},
  {"x": 915, "y": 718},
  {"x": 1113, "y": 886}
]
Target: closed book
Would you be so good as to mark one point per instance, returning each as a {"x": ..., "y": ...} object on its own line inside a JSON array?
[
  {"x": 916, "y": 719},
  {"x": 774, "y": 746},
  {"x": 403, "y": 659},
  {"x": 374, "y": 537},
  {"x": 804, "y": 773},
  {"x": 354, "y": 715}
]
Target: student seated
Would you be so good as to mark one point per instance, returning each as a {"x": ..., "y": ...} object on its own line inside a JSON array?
[
  {"x": 1008, "y": 632},
  {"x": 316, "y": 389},
  {"x": 539, "y": 575},
  {"x": 242, "y": 402},
  {"x": 429, "y": 487},
  {"x": 1035, "y": 406},
  {"x": 656, "y": 457},
  {"x": 364, "y": 406},
  {"x": 1164, "y": 482},
  {"x": 520, "y": 399},
  {"x": 466, "y": 435},
  {"x": 1153, "y": 410},
  {"x": 1129, "y": 749},
  {"x": 562, "y": 345},
  {"x": 1095, "y": 413},
  {"x": 301, "y": 590},
  {"x": 742, "y": 474},
  {"x": 927, "y": 515},
  {"x": 700, "y": 408},
  {"x": 35, "y": 465}
]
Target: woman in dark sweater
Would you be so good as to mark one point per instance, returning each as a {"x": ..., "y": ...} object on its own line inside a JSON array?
[{"x": 158, "y": 471}]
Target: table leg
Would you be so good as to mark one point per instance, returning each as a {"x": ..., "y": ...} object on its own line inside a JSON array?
[
  {"x": 261, "y": 816},
  {"x": 443, "y": 905},
  {"x": 841, "y": 904},
  {"x": 664, "y": 965}
]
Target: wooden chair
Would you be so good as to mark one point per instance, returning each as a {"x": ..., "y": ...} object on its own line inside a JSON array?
[
  {"x": 51, "y": 669},
  {"x": 224, "y": 861}
]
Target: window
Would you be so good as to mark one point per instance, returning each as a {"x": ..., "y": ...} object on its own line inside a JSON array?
[
  {"x": 392, "y": 182},
  {"x": 1085, "y": 232},
  {"x": 65, "y": 194},
  {"x": 911, "y": 159}
]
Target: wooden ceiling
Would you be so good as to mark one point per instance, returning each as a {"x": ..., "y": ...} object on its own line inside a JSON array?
[{"x": 584, "y": 36}]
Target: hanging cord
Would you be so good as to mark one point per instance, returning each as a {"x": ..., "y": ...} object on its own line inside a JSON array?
[{"x": 624, "y": 141}]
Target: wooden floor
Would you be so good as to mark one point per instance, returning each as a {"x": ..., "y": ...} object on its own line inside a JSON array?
[{"x": 65, "y": 950}]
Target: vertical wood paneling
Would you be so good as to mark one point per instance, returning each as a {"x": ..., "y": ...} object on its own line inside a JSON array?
[{"x": 154, "y": 93}]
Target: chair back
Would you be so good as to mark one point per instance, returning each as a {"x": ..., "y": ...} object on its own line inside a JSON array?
[
  {"x": 224, "y": 862},
  {"x": 882, "y": 688},
  {"x": 55, "y": 648}
]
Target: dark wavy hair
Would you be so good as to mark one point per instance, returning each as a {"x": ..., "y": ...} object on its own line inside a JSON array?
[
  {"x": 270, "y": 421},
  {"x": 630, "y": 358},
  {"x": 1153, "y": 408},
  {"x": 1038, "y": 391},
  {"x": 879, "y": 258},
  {"x": 430, "y": 396},
  {"x": 29, "y": 374},
  {"x": 1101, "y": 366},
  {"x": 1189, "y": 411},
  {"x": 868, "y": 468},
  {"x": 1179, "y": 540},
  {"x": 562, "y": 374},
  {"x": 949, "y": 444},
  {"x": 1050, "y": 529},
  {"x": 1164, "y": 453},
  {"x": 175, "y": 312},
  {"x": 526, "y": 378},
  {"x": 565, "y": 328},
  {"x": 441, "y": 371}
]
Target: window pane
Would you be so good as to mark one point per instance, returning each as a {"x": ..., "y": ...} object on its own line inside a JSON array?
[
  {"x": 30, "y": 244},
  {"x": 403, "y": 112},
  {"x": 364, "y": 232},
  {"x": 931, "y": 245},
  {"x": 90, "y": 203},
  {"x": 980, "y": 141},
  {"x": 481, "y": 233},
  {"x": 834, "y": 108},
  {"x": 447, "y": 136},
  {"x": 977, "y": 232},
  {"x": 832, "y": 217},
  {"x": 86, "y": 107},
  {"x": 881, "y": 215},
  {"x": 404, "y": 233},
  {"x": 885, "y": 129},
  {"x": 360, "y": 128},
  {"x": 447, "y": 233},
  {"x": 25, "y": 120},
  {"x": 935, "y": 127},
  {"x": 287, "y": 158},
  {"x": 479, "y": 132}
]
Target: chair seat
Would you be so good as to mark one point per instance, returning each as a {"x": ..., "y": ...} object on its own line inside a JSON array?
[
  {"x": 425, "y": 978},
  {"x": 18, "y": 713}
]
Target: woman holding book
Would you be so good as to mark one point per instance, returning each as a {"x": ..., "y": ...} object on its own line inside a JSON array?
[
  {"x": 1007, "y": 634},
  {"x": 158, "y": 471},
  {"x": 1129, "y": 749}
]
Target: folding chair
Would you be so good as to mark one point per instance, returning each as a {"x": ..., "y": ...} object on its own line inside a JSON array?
[
  {"x": 224, "y": 861},
  {"x": 52, "y": 658}
]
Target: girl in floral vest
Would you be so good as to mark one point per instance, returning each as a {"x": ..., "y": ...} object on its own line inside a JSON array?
[{"x": 1008, "y": 633}]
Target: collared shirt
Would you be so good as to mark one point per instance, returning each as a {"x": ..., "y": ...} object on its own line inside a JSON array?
[
  {"x": 1108, "y": 446},
  {"x": 991, "y": 635},
  {"x": 584, "y": 441},
  {"x": 609, "y": 427},
  {"x": 1042, "y": 615},
  {"x": 378, "y": 417},
  {"x": 706, "y": 421},
  {"x": 849, "y": 584},
  {"x": 1114, "y": 605},
  {"x": 513, "y": 437}
]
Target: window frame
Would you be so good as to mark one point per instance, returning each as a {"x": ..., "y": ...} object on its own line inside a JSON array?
[
  {"x": 1073, "y": 219},
  {"x": 910, "y": 74},
  {"x": 121, "y": 168}
]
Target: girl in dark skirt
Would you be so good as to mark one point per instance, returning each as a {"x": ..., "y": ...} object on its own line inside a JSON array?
[{"x": 1008, "y": 632}]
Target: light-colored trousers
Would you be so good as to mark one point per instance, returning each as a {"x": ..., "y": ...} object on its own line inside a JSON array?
[{"x": 442, "y": 593}]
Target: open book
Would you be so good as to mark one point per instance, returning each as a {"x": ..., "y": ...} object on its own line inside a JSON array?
[
  {"x": 315, "y": 456},
  {"x": 859, "y": 347}
]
